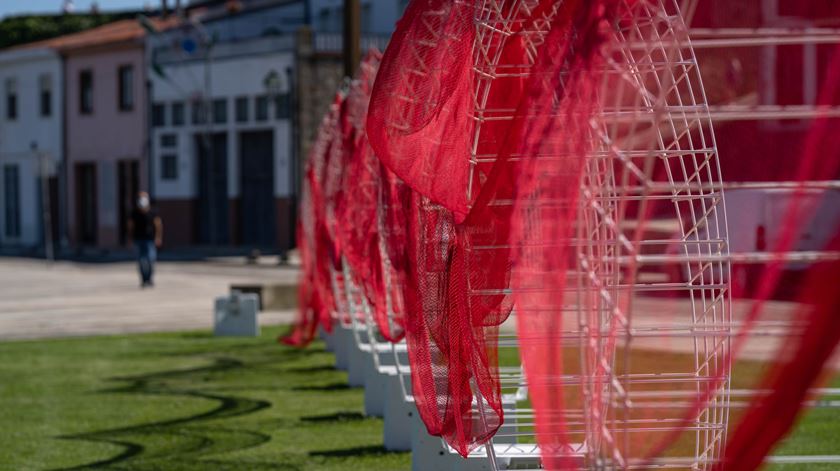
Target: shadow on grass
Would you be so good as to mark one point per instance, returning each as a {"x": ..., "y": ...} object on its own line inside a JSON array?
[
  {"x": 217, "y": 465},
  {"x": 358, "y": 451},
  {"x": 313, "y": 369},
  {"x": 186, "y": 433},
  {"x": 337, "y": 417},
  {"x": 208, "y": 345},
  {"x": 324, "y": 387}
]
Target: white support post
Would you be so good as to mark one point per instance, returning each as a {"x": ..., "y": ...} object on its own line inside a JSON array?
[
  {"x": 357, "y": 361},
  {"x": 399, "y": 417},
  {"x": 343, "y": 343},
  {"x": 328, "y": 338}
]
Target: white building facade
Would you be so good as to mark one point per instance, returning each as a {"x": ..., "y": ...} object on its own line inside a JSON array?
[
  {"x": 222, "y": 145},
  {"x": 378, "y": 17},
  {"x": 31, "y": 146},
  {"x": 226, "y": 113}
]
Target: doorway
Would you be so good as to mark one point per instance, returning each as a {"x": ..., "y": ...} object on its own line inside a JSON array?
[
  {"x": 86, "y": 203},
  {"x": 212, "y": 221},
  {"x": 256, "y": 170}
]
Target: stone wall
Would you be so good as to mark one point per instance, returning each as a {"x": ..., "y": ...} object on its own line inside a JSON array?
[{"x": 319, "y": 76}]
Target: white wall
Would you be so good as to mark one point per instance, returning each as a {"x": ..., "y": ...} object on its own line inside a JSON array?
[
  {"x": 232, "y": 77},
  {"x": 17, "y": 136},
  {"x": 378, "y": 16},
  {"x": 285, "y": 18}
]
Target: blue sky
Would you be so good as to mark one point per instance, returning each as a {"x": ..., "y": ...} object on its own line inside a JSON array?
[{"x": 12, "y": 7}]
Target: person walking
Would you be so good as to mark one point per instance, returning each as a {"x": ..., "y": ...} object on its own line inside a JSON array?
[{"x": 145, "y": 229}]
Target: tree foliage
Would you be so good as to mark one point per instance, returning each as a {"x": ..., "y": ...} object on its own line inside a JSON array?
[{"x": 24, "y": 29}]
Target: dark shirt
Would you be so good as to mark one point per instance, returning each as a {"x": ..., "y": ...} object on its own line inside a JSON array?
[{"x": 144, "y": 224}]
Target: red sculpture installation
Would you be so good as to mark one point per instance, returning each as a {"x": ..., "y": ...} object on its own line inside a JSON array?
[{"x": 553, "y": 165}]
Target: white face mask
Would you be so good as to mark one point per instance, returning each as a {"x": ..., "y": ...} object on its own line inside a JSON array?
[{"x": 143, "y": 202}]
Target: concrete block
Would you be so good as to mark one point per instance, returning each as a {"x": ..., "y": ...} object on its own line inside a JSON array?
[{"x": 236, "y": 315}]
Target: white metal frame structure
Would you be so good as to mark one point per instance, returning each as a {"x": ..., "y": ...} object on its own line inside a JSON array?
[
  {"x": 653, "y": 142},
  {"x": 657, "y": 147}
]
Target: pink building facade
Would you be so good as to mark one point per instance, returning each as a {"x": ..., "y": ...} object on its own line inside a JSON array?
[{"x": 106, "y": 129}]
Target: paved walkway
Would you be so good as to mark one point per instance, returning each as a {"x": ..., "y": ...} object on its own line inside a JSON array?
[
  {"x": 38, "y": 300},
  {"x": 71, "y": 299}
]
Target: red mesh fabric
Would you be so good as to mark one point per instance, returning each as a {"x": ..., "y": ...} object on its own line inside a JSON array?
[
  {"x": 547, "y": 197},
  {"x": 493, "y": 146},
  {"x": 340, "y": 217},
  {"x": 770, "y": 418},
  {"x": 358, "y": 194},
  {"x": 316, "y": 301},
  {"x": 555, "y": 135},
  {"x": 389, "y": 304},
  {"x": 805, "y": 351},
  {"x": 805, "y": 354},
  {"x": 421, "y": 97},
  {"x": 309, "y": 303},
  {"x": 426, "y": 100},
  {"x": 355, "y": 209},
  {"x": 358, "y": 212},
  {"x": 337, "y": 161}
]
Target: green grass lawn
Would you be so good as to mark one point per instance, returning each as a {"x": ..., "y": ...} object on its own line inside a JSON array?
[
  {"x": 191, "y": 401},
  {"x": 182, "y": 402}
]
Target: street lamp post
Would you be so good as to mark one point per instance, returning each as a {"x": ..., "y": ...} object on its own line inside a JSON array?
[{"x": 352, "y": 36}]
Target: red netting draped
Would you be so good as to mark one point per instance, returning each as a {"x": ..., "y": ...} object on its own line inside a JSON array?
[
  {"x": 358, "y": 209},
  {"x": 342, "y": 217},
  {"x": 316, "y": 302},
  {"x": 421, "y": 97},
  {"x": 779, "y": 283},
  {"x": 395, "y": 201},
  {"x": 805, "y": 354},
  {"x": 555, "y": 139},
  {"x": 557, "y": 159},
  {"x": 440, "y": 118}
]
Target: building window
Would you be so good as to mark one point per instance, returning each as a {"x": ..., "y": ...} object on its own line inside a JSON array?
[
  {"x": 282, "y": 106},
  {"x": 126, "y": 87},
  {"x": 199, "y": 112},
  {"x": 262, "y": 108},
  {"x": 158, "y": 115},
  {"x": 367, "y": 18},
  {"x": 178, "y": 114},
  {"x": 169, "y": 140},
  {"x": 11, "y": 185},
  {"x": 169, "y": 167},
  {"x": 11, "y": 99},
  {"x": 220, "y": 111},
  {"x": 86, "y": 92},
  {"x": 242, "y": 111},
  {"x": 45, "y": 96}
]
